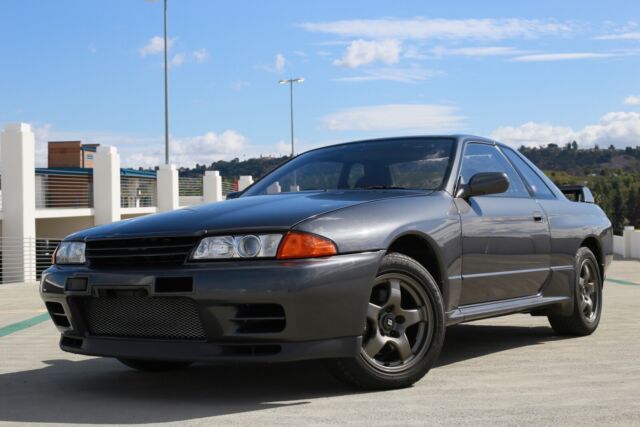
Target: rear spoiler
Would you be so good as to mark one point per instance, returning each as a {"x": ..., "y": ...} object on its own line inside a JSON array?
[{"x": 577, "y": 193}]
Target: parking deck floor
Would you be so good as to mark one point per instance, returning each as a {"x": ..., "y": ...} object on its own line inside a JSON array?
[{"x": 511, "y": 370}]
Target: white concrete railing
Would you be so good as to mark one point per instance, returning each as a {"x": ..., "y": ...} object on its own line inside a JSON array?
[
  {"x": 60, "y": 204},
  {"x": 190, "y": 191},
  {"x": 138, "y": 192},
  {"x": 24, "y": 260},
  {"x": 627, "y": 245},
  {"x": 57, "y": 189}
]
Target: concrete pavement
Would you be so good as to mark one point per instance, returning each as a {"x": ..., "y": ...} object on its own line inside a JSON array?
[{"x": 507, "y": 371}]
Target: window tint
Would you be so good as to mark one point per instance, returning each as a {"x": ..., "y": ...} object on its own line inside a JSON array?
[
  {"x": 404, "y": 163},
  {"x": 356, "y": 172},
  {"x": 533, "y": 180},
  {"x": 486, "y": 158},
  {"x": 309, "y": 177}
]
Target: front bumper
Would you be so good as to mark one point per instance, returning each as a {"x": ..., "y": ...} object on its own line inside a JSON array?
[{"x": 324, "y": 303}]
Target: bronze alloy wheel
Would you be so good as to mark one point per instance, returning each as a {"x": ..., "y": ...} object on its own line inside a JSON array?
[
  {"x": 587, "y": 299},
  {"x": 588, "y": 290},
  {"x": 399, "y": 325}
]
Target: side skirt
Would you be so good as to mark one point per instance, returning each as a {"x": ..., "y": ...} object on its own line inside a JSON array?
[{"x": 471, "y": 312}]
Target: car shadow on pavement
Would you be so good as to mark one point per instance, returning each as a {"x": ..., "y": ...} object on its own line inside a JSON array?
[
  {"x": 468, "y": 341},
  {"x": 103, "y": 391}
]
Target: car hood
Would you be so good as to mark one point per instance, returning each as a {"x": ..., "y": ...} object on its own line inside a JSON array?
[{"x": 254, "y": 213}]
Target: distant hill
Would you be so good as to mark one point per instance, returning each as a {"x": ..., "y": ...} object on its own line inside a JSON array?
[{"x": 612, "y": 174}]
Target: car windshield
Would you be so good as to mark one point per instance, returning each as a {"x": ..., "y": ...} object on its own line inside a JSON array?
[{"x": 410, "y": 163}]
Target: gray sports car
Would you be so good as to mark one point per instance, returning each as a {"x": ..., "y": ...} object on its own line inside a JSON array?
[{"x": 360, "y": 253}]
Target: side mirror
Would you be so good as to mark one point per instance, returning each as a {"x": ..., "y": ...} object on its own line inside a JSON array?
[
  {"x": 233, "y": 195},
  {"x": 484, "y": 183}
]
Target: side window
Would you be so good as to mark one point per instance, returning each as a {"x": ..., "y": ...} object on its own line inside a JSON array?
[
  {"x": 537, "y": 186},
  {"x": 486, "y": 158}
]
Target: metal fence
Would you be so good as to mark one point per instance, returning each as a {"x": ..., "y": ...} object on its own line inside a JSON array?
[
  {"x": 60, "y": 190},
  {"x": 190, "y": 191},
  {"x": 24, "y": 260},
  {"x": 138, "y": 192},
  {"x": 229, "y": 187}
]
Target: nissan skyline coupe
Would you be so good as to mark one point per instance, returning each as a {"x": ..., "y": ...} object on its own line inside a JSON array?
[{"x": 360, "y": 254}]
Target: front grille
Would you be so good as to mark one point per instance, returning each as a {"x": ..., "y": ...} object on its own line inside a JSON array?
[
  {"x": 140, "y": 316},
  {"x": 140, "y": 252}
]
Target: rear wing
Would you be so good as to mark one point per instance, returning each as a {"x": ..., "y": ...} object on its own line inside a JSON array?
[{"x": 577, "y": 193}]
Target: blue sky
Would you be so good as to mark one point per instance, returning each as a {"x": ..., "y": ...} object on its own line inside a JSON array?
[{"x": 523, "y": 72}]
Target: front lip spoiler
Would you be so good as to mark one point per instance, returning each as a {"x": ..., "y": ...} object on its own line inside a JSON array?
[{"x": 203, "y": 351}]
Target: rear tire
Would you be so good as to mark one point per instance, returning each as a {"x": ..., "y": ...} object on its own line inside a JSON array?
[
  {"x": 154, "y": 365},
  {"x": 404, "y": 330},
  {"x": 587, "y": 298}
]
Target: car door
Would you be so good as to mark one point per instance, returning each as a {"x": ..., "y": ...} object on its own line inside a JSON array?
[{"x": 505, "y": 237}]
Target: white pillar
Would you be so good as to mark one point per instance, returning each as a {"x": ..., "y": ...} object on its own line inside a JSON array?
[
  {"x": 244, "y": 182},
  {"x": 274, "y": 188},
  {"x": 627, "y": 233},
  {"x": 212, "y": 187},
  {"x": 168, "y": 188},
  {"x": 106, "y": 185},
  {"x": 18, "y": 202}
]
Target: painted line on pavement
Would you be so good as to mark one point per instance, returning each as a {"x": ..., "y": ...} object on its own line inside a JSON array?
[
  {"x": 24, "y": 324},
  {"x": 622, "y": 282}
]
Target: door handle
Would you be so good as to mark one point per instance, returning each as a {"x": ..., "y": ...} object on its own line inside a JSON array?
[{"x": 538, "y": 217}]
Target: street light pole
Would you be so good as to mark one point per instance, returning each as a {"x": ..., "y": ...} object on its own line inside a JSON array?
[
  {"x": 290, "y": 82},
  {"x": 166, "y": 91}
]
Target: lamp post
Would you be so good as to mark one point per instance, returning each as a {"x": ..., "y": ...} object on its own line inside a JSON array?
[
  {"x": 166, "y": 88},
  {"x": 290, "y": 82}
]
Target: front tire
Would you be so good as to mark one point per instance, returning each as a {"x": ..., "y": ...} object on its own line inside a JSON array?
[
  {"x": 404, "y": 329},
  {"x": 154, "y": 365},
  {"x": 587, "y": 298}
]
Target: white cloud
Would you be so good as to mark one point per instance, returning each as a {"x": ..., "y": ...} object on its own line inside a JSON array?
[
  {"x": 396, "y": 117},
  {"x": 299, "y": 53},
  {"x": 632, "y": 35},
  {"x": 621, "y": 129},
  {"x": 442, "y": 29},
  {"x": 400, "y": 75},
  {"x": 239, "y": 84},
  {"x": 200, "y": 55},
  {"x": 283, "y": 148},
  {"x": 155, "y": 46},
  {"x": 278, "y": 65},
  {"x": 532, "y": 134},
  {"x": 543, "y": 57},
  {"x": 178, "y": 59},
  {"x": 188, "y": 151},
  {"x": 632, "y": 100},
  {"x": 144, "y": 151},
  {"x": 362, "y": 52},
  {"x": 477, "y": 51}
]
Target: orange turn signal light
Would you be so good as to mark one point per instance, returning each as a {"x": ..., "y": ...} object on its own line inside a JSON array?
[{"x": 304, "y": 245}]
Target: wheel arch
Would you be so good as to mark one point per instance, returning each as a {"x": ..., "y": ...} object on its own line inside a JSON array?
[
  {"x": 425, "y": 251},
  {"x": 593, "y": 244}
]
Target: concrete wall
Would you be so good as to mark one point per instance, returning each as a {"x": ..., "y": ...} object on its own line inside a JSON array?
[
  {"x": 627, "y": 245},
  {"x": 58, "y": 228}
]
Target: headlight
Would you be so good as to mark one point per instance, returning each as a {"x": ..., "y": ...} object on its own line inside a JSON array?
[
  {"x": 70, "y": 253},
  {"x": 243, "y": 246}
]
